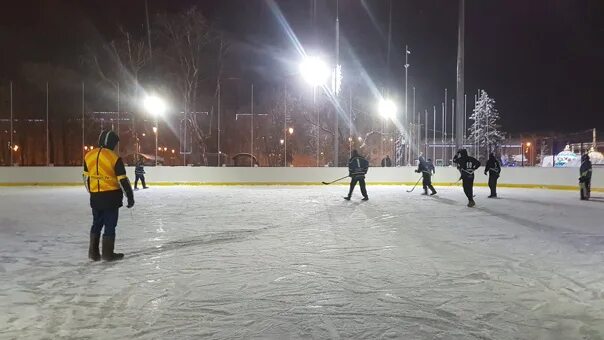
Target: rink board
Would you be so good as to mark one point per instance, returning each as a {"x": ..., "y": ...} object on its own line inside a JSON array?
[{"x": 550, "y": 178}]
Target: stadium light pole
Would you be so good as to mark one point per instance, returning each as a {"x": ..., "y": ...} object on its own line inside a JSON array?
[
  {"x": 406, "y": 115},
  {"x": 315, "y": 72},
  {"x": 156, "y": 107}
]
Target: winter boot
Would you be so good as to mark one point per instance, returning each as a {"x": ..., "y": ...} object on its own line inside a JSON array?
[
  {"x": 108, "y": 245},
  {"x": 493, "y": 196},
  {"x": 366, "y": 198},
  {"x": 347, "y": 198},
  {"x": 471, "y": 204},
  {"x": 93, "y": 248},
  {"x": 433, "y": 192}
]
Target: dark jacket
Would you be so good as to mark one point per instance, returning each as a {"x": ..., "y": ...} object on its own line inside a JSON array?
[
  {"x": 466, "y": 164},
  {"x": 425, "y": 168},
  {"x": 357, "y": 167},
  {"x": 493, "y": 167},
  {"x": 585, "y": 170},
  {"x": 139, "y": 169}
]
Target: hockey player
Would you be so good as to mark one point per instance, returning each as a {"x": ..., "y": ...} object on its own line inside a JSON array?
[
  {"x": 493, "y": 168},
  {"x": 139, "y": 173},
  {"x": 357, "y": 168},
  {"x": 426, "y": 169},
  {"x": 105, "y": 179},
  {"x": 585, "y": 179},
  {"x": 466, "y": 166}
]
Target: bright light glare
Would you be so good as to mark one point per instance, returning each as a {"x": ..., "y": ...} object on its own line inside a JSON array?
[
  {"x": 281, "y": 141},
  {"x": 314, "y": 71},
  {"x": 155, "y": 105},
  {"x": 528, "y": 144},
  {"x": 155, "y": 129},
  {"x": 290, "y": 130},
  {"x": 387, "y": 108}
]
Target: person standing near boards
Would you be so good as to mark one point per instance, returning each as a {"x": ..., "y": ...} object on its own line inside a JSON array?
[
  {"x": 493, "y": 168},
  {"x": 585, "y": 179},
  {"x": 139, "y": 173}
]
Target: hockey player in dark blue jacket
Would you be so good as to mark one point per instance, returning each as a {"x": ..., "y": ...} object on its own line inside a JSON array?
[
  {"x": 357, "y": 168},
  {"x": 139, "y": 172}
]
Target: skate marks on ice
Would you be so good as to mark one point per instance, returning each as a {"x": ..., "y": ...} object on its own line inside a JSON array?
[
  {"x": 559, "y": 301},
  {"x": 322, "y": 268}
]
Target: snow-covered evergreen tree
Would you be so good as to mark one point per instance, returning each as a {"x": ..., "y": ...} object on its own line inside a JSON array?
[{"x": 485, "y": 133}]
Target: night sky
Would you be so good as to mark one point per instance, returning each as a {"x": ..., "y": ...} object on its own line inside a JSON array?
[{"x": 542, "y": 60}]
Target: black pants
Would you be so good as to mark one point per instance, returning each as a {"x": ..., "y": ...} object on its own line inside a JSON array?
[
  {"x": 468, "y": 187},
  {"x": 142, "y": 178},
  {"x": 427, "y": 182},
  {"x": 585, "y": 189},
  {"x": 104, "y": 218},
  {"x": 353, "y": 183},
  {"x": 493, "y": 184}
]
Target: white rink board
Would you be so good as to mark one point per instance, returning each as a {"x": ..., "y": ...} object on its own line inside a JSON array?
[{"x": 567, "y": 177}]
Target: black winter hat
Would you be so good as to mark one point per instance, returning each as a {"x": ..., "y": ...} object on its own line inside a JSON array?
[{"x": 108, "y": 139}]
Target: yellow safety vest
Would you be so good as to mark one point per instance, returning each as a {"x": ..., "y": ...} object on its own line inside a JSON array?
[{"x": 100, "y": 164}]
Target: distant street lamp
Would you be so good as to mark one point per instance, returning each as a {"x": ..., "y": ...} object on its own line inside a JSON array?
[{"x": 156, "y": 107}]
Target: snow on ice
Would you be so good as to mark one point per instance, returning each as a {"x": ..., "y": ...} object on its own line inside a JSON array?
[{"x": 300, "y": 262}]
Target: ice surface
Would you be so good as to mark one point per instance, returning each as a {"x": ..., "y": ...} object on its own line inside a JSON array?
[{"x": 300, "y": 262}]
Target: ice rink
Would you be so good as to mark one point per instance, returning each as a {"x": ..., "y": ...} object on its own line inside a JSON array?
[{"x": 302, "y": 263}]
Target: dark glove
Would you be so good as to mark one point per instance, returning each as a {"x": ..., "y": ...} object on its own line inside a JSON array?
[{"x": 130, "y": 202}]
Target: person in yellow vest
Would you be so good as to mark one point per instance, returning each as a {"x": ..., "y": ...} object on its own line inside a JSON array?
[{"x": 105, "y": 179}]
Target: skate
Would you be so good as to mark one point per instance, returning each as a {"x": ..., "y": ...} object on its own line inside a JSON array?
[
  {"x": 347, "y": 198},
  {"x": 471, "y": 204},
  {"x": 365, "y": 198},
  {"x": 425, "y": 193},
  {"x": 108, "y": 245},
  {"x": 93, "y": 248},
  {"x": 145, "y": 187},
  {"x": 433, "y": 193},
  {"x": 135, "y": 189},
  {"x": 492, "y": 196}
]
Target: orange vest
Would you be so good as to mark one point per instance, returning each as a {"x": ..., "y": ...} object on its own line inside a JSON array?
[{"x": 101, "y": 170}]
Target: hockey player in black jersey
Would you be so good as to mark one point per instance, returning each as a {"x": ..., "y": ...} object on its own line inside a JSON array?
[
  {"x": 466, "y": 166},
  {"x": 585, "y": 179},
  {"x": 493, "y": 168},
  {"x": 426, "y": 169},
  {"x": 357, "y": 168}
]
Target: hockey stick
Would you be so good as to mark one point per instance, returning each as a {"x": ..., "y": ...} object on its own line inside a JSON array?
[
  {"x": 335, "y": 180},
  {"x": 415, "y": 184}
]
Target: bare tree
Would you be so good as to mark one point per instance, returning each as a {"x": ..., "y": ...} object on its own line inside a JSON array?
[
  {"x": 118, "y": 61},
  {"x": 195, "y": 53}
]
